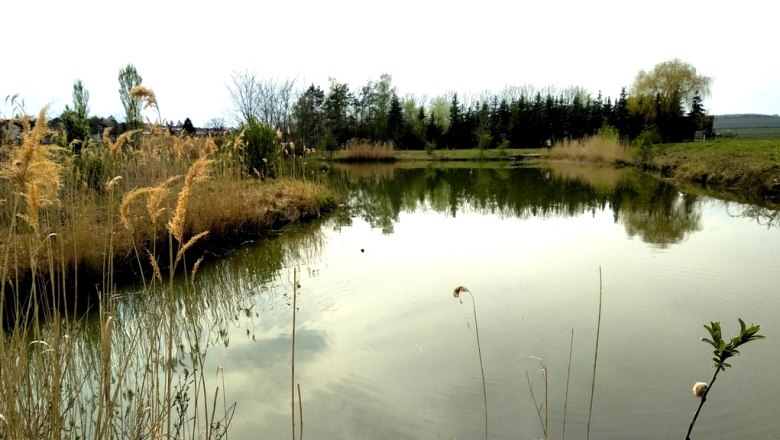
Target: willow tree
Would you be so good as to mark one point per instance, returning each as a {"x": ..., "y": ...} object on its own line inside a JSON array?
[{"x": 669, "y": 87}]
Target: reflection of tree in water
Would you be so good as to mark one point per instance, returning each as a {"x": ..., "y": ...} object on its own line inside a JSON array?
[
  {"x": 664, "y": 219},
  {"x": 648, "y": 208},
  {"x": 763, "y": 215}
]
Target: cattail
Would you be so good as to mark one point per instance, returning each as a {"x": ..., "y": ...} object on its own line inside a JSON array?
[{"x": 699, "y": 388}]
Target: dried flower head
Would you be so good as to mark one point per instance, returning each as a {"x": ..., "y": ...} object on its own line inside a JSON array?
[
  {"x": 699, "y": 388},
  {"x": 458, "y": 290},
  {"x": 146, "y": 95},
  {"x": 198, "y": 171}
]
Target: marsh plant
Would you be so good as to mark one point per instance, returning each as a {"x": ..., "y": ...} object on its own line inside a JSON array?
[
  {"x": 75, "y": 360},
  {"x": 723, "y": 350}
]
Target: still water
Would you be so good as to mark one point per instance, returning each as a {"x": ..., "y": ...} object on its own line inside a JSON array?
[{"x": 384, "y": 350}]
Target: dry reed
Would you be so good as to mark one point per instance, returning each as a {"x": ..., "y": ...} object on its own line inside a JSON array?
[
  {"x": 361, "y": 150},
  {"x": 591, "y": 149},
  {"x": 595, "y": 360},
  {"x": 76, "y": 212},
  {"x": 456, "y": 293}
]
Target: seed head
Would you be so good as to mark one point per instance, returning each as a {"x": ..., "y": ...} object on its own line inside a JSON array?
[{"x": 699, "y": 388}]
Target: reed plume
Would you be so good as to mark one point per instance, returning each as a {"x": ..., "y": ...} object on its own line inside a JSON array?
[
  {"x": 198, "y": 171},
  {"x": 31, "y": 169},
  {"x": 149, "y": 99},
  {"x": 116, "y": 146},
  {"x": 124, "y": 206}
]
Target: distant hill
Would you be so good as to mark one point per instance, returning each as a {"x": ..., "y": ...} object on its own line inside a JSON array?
[{"x": 745, "y": 121}]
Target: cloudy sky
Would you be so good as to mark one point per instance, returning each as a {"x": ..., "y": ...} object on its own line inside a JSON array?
[{"x": 186, "y": 51}]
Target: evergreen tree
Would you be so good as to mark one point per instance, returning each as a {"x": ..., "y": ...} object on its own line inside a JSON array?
[
  {"x": 187, "y": 128},
  {"x": 454, "y": 135},
  {"x": 620, "y": 115},
  {"x": 698, "y": 119},
  {"x": 336, "y": 108},
  {"x": 308, "y": 114},
  {"x": 395, "y": 121}
]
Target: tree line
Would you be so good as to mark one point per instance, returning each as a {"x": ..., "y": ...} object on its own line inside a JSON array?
[{"x": 662, "y": 105}]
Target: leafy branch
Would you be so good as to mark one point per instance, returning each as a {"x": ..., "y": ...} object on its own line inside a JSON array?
[{"x": 723, "y": 351}]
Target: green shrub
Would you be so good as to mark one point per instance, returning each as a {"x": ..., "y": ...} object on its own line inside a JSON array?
[
  {"x": 260, "y": 147},
  {"x": 608, "y": 132},
  {"x": 646, "y": 142},
  {"x": 502, "y": 147},
  {"x": 328, "y": 143},
  {"x": 430, "y": 147}
]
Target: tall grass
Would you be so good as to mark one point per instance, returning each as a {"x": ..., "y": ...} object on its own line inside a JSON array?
[
  {"x": 602, "y": 148},
  {"x": 138, "y": 206},
  {"x": 361, "y": 150}
]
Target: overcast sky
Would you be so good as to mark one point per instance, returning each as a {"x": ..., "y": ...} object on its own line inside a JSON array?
[{"x": 186, "y": 51}]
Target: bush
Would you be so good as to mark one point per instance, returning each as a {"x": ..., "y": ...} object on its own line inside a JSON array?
[
  {"x": 430, "y": 147},
  {"x": 260, "y": 147},
  {"x": 502, "y": 147},
  {"x": 328, "y": 143},
  {"x": 645, "y": 141},
  {"x": 608, "y": 132}
]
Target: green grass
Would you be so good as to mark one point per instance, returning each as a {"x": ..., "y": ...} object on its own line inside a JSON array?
[{"x": 745, "y": 164}]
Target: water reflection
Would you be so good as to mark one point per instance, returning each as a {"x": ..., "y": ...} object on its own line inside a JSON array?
[
  {"x": 382, "y": 350},
  {"x": 650, "y": 209}
]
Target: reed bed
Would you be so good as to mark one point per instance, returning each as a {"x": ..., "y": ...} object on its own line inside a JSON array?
[
  {"x": 70, "y": 224},
  {"x": 362, "y": 150},
  {"x": 599, "y": 148}
]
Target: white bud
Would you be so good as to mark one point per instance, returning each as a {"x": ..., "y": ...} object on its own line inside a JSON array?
[{"x": 699, "y": 388}]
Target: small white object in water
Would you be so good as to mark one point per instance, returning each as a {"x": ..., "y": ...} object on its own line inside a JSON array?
[{"x": 699, "y": 388}]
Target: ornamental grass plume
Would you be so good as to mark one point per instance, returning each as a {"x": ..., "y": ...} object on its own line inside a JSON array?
[
  {"x": 149, "y": 99},
  {"x": 115, "y": 147},
  {"x": 198, "y": 171},
  {"x": 31, "y": 169}
]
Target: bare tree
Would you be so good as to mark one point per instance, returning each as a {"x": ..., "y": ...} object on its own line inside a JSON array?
[
  {"x": 268, "y": 100},
  {"x": 244, "y": 94},
  {"x": 275, "y": 103}
]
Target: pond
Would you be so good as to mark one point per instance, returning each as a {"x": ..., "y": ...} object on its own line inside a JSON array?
[{"x": 385, "y": 351}]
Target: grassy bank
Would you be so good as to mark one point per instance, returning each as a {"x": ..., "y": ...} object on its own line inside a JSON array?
[
  {"x": 749, "y": 165},
  {"x": 126, "y": 190}
]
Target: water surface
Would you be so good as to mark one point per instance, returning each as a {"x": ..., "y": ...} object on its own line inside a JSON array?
[{"x": 384, "y": 350}]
